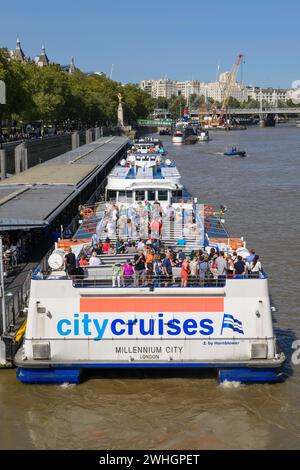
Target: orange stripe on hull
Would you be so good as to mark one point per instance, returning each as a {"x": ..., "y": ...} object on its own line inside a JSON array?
[{"x": 156, "y": 304}]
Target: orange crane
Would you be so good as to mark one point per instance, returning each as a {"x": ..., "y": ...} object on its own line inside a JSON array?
[{"x": 229, "y": 86}]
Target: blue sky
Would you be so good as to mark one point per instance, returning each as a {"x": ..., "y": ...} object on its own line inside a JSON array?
[{"x": 161, "y": 38}]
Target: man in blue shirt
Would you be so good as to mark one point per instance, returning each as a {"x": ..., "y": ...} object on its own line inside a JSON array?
[
  {"x": 250, "y": 258},
  {"x": 167, "y": 269}
]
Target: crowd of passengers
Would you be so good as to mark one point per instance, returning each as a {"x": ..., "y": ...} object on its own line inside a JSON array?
[
  {"x": 16, "y": 248},
  {"x": 151, "y": 263}
]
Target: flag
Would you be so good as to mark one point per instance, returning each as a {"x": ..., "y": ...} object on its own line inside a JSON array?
[{"x": 230, "y": 322}]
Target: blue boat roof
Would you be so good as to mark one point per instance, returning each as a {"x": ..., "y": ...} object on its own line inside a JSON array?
[{"x": 143, "y": 172}]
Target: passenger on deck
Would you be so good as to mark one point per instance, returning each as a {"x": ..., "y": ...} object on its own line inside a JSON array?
[
  {"x": 100, "y": 246},
  {"x": 111, "y": 250},
  {"x": 141, "y": 244},
  {"x": 230, "y": 266},
  {"x": 157, "y": 270},
  {"x": 250, "y": 258},
  {"x": 83, "y": 261},
  {"x": 185, "y": 271},
  {"x": 95, "y": 260},
  {"x": 70, "y": 262},
  {"x": 212, "y": 253},
  {"x": 106, "y": 245},
  {"x": 213, "y": 270},
  {"x": 239, "y": 268},
  {"x": 149, "y": 257},
  {"x": 131, "y": 248},
  {"x": 129, "y": 227},
  {"x": 234, "y": 257},
  {"x": 117, "y": 274},
  {"x": 139, "y": 266},
  {"x": 128, "y": 271},
  {"x": 222, "y": 268},
  {"x": 180, "y": 257},
  {"x": 203, "y": 269},
  {"x": 98, "y": 250},
  {"x": 119, "y": 244},
  {"x": 254, "y": 268},
  {"x": 194, "y": 265},
  {"x": 167, "y": 269}
]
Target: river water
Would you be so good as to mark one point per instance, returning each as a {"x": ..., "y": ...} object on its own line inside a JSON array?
[{"x": 192, "y": 411}]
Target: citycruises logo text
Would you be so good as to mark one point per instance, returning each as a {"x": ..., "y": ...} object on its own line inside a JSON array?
[{"x": 85, "y": 324}]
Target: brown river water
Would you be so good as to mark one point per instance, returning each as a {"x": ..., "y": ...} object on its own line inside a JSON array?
[{"x": 191, "y": 410}]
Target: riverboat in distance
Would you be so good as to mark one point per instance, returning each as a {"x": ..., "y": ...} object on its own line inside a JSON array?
[
  {"x": 234, "y": 152},
  {"x": 99, "y": 316}
]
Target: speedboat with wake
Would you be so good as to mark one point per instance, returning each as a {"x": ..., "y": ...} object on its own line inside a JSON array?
[{"x": 235, "y": 152}]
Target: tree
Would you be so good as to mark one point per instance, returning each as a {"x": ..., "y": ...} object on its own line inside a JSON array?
[
  {"x": 290, "y": 103},
  {"x": 161, "y": 103},
  {"x": 177, "y": 105},
  {"x": 233, "y": 103},
  {"x": 250, "y": 104},
  {"x": 18, "y": 96},
  {"x": 51, "y": 95}
]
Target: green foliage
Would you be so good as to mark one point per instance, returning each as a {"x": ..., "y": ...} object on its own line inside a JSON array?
[
  {"x": 51, "y": 95},
  {"x": 196, "y": 100},
  {"x": 233, "y": 103},
  {"x": 290, "y": 104},
  {"x": 18, "y": 97},
  {"x": 250, "y": 104},
  {"x": 176, "y": 106}
]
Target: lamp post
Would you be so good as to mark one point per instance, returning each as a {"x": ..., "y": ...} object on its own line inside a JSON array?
[{"x": 2, "y": 101}]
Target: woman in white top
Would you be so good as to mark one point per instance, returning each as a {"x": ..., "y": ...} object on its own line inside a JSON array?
[
  {"x": 94, "y": 260},
  {"x": 254, "y": 268}
]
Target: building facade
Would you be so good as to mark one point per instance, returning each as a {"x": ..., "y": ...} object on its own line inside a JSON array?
[
  {"x": 269, "y": 95},
  {"x": 215, "y": 90}
]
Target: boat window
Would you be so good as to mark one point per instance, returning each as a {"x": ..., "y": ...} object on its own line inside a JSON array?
[
  {"x": 129, "y": 195},
  {"x": 140, "y": 195},
  {"x": 177, "y": 193},
  {"x": 151, "y": 195},
  {"x": 111, "y": 195},
  {"x": 122, "y": 196},
  {"x": 162, "y": 195}
]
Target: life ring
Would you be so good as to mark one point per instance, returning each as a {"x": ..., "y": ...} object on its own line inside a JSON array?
[
  {"x": 87, "y": 212},
  {"x": 208, "y": 211}
]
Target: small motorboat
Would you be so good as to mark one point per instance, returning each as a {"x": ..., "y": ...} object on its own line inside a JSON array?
[{"x": 234, "y": 152}]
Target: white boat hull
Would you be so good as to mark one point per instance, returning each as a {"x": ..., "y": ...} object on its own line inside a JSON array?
[
  {"x": 177, "y": 139},
  {"x": 135, "y": 327}
]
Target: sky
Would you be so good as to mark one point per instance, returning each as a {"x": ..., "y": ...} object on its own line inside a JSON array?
[{"x": 181, "y": 40}]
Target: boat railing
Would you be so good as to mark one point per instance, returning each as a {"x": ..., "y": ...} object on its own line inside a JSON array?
[
  {"x": 148, "y": 280},
  {"x": 137, "y": 280},
  {"x": 182, "y": 200}
]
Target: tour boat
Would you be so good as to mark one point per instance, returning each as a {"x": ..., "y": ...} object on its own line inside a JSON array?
[
  {"x": 86, "y": 321},
  {"x": 178, "y": 136}
]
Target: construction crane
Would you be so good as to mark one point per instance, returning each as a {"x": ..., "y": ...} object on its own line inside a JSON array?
[{"x": 229, "y": 86}]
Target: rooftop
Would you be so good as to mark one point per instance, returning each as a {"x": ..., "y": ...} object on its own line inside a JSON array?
[{"x": 36, "y": 196}]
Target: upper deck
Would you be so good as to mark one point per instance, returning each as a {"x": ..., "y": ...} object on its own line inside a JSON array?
[{"x": 145, "y": 200}]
